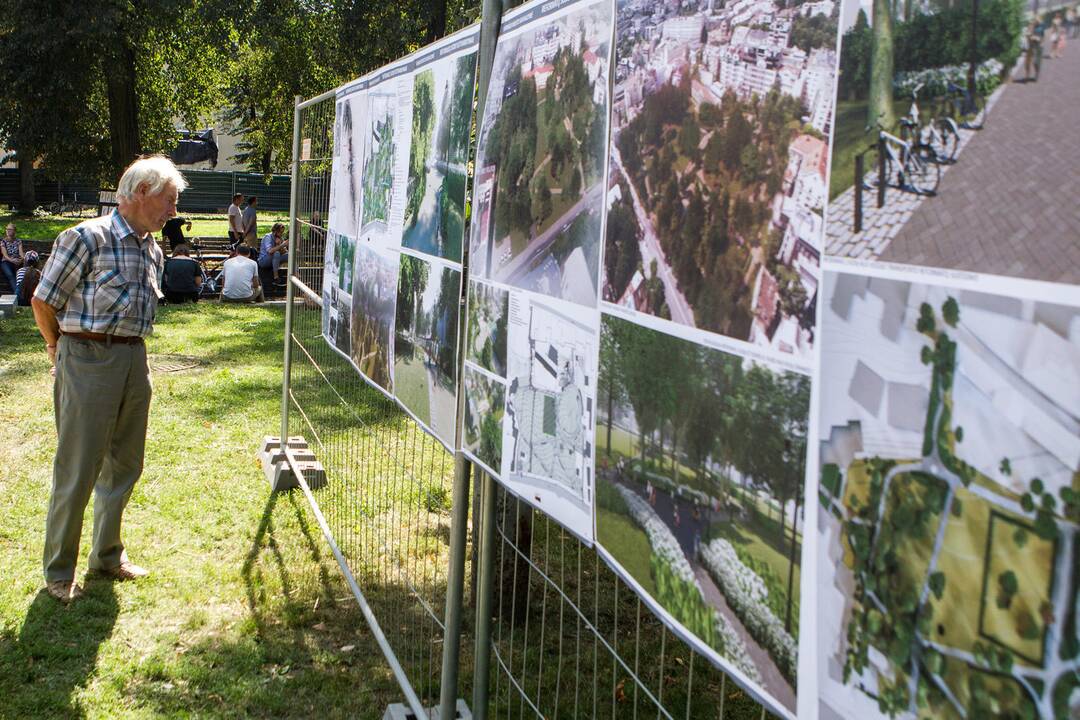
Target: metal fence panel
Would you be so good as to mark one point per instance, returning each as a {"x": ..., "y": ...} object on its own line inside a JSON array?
[
  {"x": 387, "y": 498},
  {"x": 557, "y": 632}
]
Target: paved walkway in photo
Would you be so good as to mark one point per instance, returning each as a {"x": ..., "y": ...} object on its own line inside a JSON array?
[
  {"x": 1009, "y": 206},
  {"x": 687, "y": 533}
]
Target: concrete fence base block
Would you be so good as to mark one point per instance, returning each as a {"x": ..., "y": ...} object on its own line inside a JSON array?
[
  {"x": 277, "y": 469},
  {"x": 8, "y": 305},
  {"x": 400, "y": 711}
]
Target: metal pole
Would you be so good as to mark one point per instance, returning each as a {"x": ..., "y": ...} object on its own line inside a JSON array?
[
  {"x": 882, "y": 179},
  {"x": 858, "y": 191},
  {"x": 455, "y": 587},
  {"x": 293, "y": 227},
  {"x": 484, "y": 595},
  {"x": 490, "y": 22}
]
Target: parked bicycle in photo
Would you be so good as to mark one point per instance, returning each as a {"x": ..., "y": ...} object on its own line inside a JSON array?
[
  {"x": 908, "y": 165},
  {"x": 939, "y": 133},
  {"x": 966, "y": 108}
]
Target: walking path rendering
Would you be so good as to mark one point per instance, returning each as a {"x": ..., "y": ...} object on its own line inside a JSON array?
[
  {"x": 688, "y": 532},
  {"x": 1008, "y": 206}
]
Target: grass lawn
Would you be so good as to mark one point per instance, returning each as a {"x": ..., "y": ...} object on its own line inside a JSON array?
[
  {"x": 629, "y": 544},
  {"x": 245, "y": 613},
  {"x": 962, "y": 557},
  {"x": 1033, "y": 565},
  {"x": 215, "y": 225},
  {"x": 411, "y": 386}
]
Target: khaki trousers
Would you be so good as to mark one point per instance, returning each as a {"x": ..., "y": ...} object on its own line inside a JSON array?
[{"x": 101, "y": 398}]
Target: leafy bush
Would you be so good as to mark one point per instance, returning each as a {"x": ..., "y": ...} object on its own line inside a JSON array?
[
  {"x": 748, "y": 596},
  {"x": 678, "y": 590},
  {"x": 938, "y": 40}
]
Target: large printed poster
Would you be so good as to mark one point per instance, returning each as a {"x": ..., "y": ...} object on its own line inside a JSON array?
[
  {"x": 393, "y": 282},
  {"x": 535, "y": 242},
  {"x": 715, "y": 193},
  {"x": 948, "y": 425}
]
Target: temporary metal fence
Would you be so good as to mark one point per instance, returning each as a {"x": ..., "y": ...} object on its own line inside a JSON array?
[
  {"x": 470, "y": 592},
  {"x": 209, "y": 191}
]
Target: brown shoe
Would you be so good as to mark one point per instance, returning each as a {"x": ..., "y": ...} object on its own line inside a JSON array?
[
  {"x": 124, "y": 571},
  {"x": 63, "y": 590}
]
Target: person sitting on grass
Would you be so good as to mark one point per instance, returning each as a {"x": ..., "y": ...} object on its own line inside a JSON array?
[
  {"x": 11, "y": 254},
  {"x": 240, "y": 278},
  {"x": 26, "y": 280},
  {"x": 182, "y": 277},
  {"x": 273, "y": 250}
]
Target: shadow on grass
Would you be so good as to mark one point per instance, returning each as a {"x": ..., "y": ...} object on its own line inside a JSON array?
[
  {"x": 55, "y": 652},
  {"x": 299, "y": 652}
]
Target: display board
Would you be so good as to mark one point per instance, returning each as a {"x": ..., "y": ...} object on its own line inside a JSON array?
[
  {"x": 949, "y": 422},
  {"x": 815, "y": 397},
  {"x": 393, "y": 280},
  {"x": 534, "y": 248}
]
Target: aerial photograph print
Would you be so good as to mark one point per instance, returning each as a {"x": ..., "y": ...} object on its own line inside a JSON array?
[
  {"x": 489, "y": 306},
  {"x": 958, "y": 127},
  {"x": 721, "y": 117},
  {"x": 375, "y": 283},
  {"x": 949, "y": 515},
  {"x": 378, "y": 164},
  {"x": 485, "y": 407},
  {"x": 701, "y": 463},
  {"x": 337, "y": 290},
  {"x": 425, "y": 343},
  {"x": 438, "y": 157},
  {"x": 540, "y": 157},
  {"x": 345, "y": 178}
]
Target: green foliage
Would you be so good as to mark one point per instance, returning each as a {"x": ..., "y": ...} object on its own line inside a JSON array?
[
  {"x": 808, "y": 33},
  {"x": 683, "y": 600},
  {"x": 933, "y": 40},
  {"x": 1007, "y": 589},
  {"x": 925, "y": 323},
  {"x": 423, "y": 121},
  {"x": 950, "y": 311},
  {"x": 937, "y": 584},
  {"x": 622, "y": 255},
  {"x": 830, "y": 478}
]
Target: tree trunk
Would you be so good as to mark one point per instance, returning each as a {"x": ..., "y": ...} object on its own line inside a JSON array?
[
  {"x": 123, "y": 109},
  {"x": 266, "y": 157},
  {"x": 436, "y": 26},
  {"x": 610, "y": 410},
  {"x": 974, "y": 61},
  {"x": 880, "y": 108},
  {"x": 27, "y": 197},
  {"x": 791, "y": 563}
]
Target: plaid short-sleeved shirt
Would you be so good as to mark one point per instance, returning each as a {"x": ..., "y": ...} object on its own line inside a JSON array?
[{"x": 102, "y": 277}]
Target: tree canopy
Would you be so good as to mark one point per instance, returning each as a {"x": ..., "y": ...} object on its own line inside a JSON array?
[{"x": 86, "y": 87}]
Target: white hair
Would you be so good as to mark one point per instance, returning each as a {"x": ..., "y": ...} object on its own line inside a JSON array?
[{"x": 156, "y": 171}]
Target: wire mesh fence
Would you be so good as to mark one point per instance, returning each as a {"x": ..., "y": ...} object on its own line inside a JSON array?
[
  {"x": 552, "y": 630},
  {"x": 386, "y": 501}
]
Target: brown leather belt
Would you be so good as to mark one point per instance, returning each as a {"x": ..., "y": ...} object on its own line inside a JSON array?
[{"x": 105, "y": 338}]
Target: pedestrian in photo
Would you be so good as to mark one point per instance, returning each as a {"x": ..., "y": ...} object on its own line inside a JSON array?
[
  {"x": 11, "y": 255},
  {"x": 1032, "y": 43},
  {"x": 182, "y": 278},
  {"x": 250, "y": 222},
  {"x": 94, "y": 305},
  {"x": 1058, "y": 33},
  {"x": 236, "y": 221}
]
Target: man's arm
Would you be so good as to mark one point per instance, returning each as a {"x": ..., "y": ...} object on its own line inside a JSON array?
[{"x": 48, "y": 325}]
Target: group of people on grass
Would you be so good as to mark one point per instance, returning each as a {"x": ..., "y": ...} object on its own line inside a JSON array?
[
  {"x": 183, "y": 276},
  {"x": 239, "y": 279}
]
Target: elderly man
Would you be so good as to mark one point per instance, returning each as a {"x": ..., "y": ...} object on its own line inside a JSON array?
[{"x": 94, "y": 304}]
